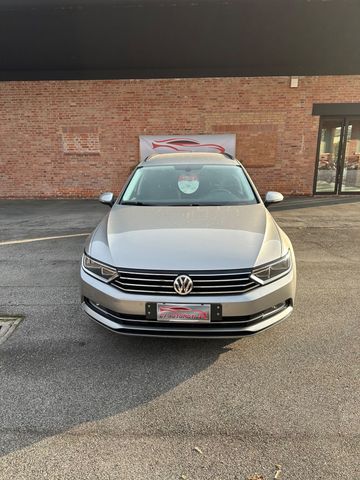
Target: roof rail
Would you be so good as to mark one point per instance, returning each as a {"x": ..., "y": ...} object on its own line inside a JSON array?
[
  {"x": 228, "y": 155},
  {"x": 149, "y": 156}
]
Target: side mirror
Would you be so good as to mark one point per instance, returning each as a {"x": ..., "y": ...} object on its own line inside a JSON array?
[
  {"x": 107, "y": 198},
  {"x": 273, "y": 197}
]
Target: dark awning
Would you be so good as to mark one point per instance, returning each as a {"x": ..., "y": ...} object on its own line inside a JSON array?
[{"x": 53, "y": 39}]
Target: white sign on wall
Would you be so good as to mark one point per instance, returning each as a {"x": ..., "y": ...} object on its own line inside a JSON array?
[{"x": 150, "y": 144}]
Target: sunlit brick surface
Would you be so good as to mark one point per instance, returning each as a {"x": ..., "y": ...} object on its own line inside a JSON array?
[{"x": 78, "y": 138}]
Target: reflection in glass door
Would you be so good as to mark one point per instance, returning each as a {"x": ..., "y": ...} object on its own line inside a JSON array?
[
  {"x": 350, "y": 181},
  {"x": 338, "y": 163},
  {"x": 329, "y": 149}
]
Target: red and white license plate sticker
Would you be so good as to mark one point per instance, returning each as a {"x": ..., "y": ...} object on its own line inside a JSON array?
[{"x": 180, "y": 312}]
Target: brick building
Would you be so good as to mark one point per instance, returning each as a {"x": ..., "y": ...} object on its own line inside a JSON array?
[{"x": 73, "y": 103}]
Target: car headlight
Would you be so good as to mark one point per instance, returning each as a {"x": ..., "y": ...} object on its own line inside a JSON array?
[
  {"x": 272, "y": 271},
  {"x": 99, "y": 270}
]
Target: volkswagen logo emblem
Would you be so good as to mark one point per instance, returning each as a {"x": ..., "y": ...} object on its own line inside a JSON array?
[{"x": 183, "y": 285}]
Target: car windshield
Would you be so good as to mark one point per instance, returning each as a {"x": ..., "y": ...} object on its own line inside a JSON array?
[{"x": 178, "y": 185}]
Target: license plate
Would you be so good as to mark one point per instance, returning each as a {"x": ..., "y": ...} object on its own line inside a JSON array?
[{"x": 182, "y": 312}]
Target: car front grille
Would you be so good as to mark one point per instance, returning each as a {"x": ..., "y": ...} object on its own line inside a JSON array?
[{"x": 223, "y": 282}]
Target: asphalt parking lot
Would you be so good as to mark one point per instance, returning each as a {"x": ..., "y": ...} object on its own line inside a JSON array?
[{"x": 78, "y": 402}]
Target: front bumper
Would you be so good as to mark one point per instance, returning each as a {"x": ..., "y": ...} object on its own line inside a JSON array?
[{"x": 242, "y": 315}]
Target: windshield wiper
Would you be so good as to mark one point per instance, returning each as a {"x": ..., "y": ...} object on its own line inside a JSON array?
[
  {"x": 139, "y": 204},
  {"x": 209, "y": 204}
]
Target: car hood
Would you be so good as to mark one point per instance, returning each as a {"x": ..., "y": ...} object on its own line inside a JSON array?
[{"x": 186, "y": 238}]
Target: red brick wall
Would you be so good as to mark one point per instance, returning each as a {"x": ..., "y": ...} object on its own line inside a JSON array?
[{"x": 78, "y": 138}]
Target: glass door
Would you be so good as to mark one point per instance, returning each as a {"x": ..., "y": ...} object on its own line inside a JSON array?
[
  {"x": 338, "y": 158},
  {"x": 329, "y": 155},
  {"x": 350, "y": 175}
]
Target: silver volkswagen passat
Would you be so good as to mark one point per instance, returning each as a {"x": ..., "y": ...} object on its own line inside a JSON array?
[{"x": 188, "y": 249}]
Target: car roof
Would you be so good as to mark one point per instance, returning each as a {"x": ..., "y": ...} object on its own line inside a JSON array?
[{"x": 189, "y": 157}]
